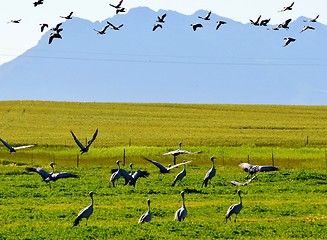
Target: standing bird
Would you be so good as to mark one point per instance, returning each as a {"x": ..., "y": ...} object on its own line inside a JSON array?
[
  {"x": 116, "y": 175},
  {"x": 13, "y": 149},
  {"x": 180, "y": 175},
  {"x": 206, "y": 17},
  {"x": 181, "y": 213},
  {"x": 256, "y": 23},
  {"x": 219, "y": 23},
  {"x": 161, "y": 19},
  {"x": 113, "y": 27},
  {"x": 288, "y": 40},
  {"x": 102, "y": 31},
  {"x": 146, "y": 217},
  {"x": 155, "y": 26},
  {"x": 52, "y": 176},
  {"x": 234, "y": 209},
  {"x": 287, "y": 8},
  {"x": 307, "y": 28},
  {"x": 83, "y": 148},
  {"x": 196, "y": 26},
  {"x": 136, "y": 175},
  {"x": 312, "y": 19},
  {"x": 43, "y": 26},
  {"x": 163, "y": 169},
  {"x": 210, "y": 174},
  {"x": 68, "y": 16},
  {"x": 85, "y": 212}
]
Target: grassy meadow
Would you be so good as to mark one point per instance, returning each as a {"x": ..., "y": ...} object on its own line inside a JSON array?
[{"x": 290, "y": 203}]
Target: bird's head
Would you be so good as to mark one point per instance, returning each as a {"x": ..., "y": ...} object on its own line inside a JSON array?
[
  {"x": 148, "y": 201},
  {"x": 212, "y": 158},
  {"x": 239, "y": 191},
  {"x": 118, "y": 161},
  {"x": 52, "y": 164},
  {"x": 91, "y": 193},
  {"x": 182, "y": 193},
  {"x": 131, "y": 165}
]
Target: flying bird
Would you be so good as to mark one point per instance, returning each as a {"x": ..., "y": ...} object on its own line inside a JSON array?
[
  {"x": 181, "y": 213},
  {"x": 118, "y": 5},
  {"x": 285, "y": 24},
  {"x": 219, "y": 23},
  {"x": 180, "y": 175},
  {"x": 85, "y": 212},
  {"x": 179, "y": 151},
  {"x": 206, "y": 17},
  {"x": 161, "y": 19},
  {"x": 210, "y": 174},
  {"x": 256, "y": 22},
  {"x": 54, "y": 35},
  {"x": 102, "y": 31},
  {"x": 83, "y": 148},
  {"x": 155, "y": 26},
  {"x": 14, "y": 149},
  {"x": 39, "y": 2},
  {"x": 163, "y": 169},
  {"x": 113, "y": 27},
  {"x": 43, "y": 26},
  {"x": 288, "y": 40},
  {"x": 68, "y": 16},
  {"x": 253, "y": 169},
  {"x": 15, "y": 21},
  {"x": 234, "y": 209},
  {"x": 57, "y": 28},
  {"x": 52, "y": 176},
  {"x": 146, "y": 217},
  {"x": 287, "y": 8},
  {"x": 312, "y": 19},
  {"x": 120, "y": 10},
  {"x": 236, "y": 183},
  {"x": 196, "y": 26},
  {"x": 264, "y": 22},
  {"x": 307, "y": 28}
]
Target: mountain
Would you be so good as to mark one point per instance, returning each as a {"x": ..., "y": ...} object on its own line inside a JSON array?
[{"x": 239, "y": 63}]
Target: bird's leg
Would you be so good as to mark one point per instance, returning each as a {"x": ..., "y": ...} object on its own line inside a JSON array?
[
  {"x": 211, "y": 184},
  {"x": 174, "y": 160}
]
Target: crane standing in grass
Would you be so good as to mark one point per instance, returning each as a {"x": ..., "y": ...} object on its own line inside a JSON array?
[
  {"x": 235, "y": 208},
  {"x": 210, "y": 174},
  {"x": 180, "y": 175},
  {"x": 85, "y": 212},
  {"x": 181, "y": 213},
  {"x": 146, "y": 217}
]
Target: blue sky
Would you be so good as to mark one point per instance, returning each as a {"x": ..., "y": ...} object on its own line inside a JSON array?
[{"x": 17, "y": 38}]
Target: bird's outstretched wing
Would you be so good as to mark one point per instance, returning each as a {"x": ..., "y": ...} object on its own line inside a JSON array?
[
  {"x": 93, "y": 138},
  {"x": 44, "y": 174},
  {"x": 7, "y": 145},
  {"x": 56, "y": 176},
  {"x": 22, "y": 147},
  {"x": 81, "y": 146},
  {"x": 179, "y": 164},
  {"x": 162, "y": 168},
  {"x": 267, "y": 168}
]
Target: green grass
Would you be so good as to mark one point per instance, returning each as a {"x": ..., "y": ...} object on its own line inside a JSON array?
[{"x": 288, "y": 204}]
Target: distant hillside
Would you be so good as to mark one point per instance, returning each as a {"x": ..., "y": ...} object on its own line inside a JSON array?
[{"x": 239, "y": 63}]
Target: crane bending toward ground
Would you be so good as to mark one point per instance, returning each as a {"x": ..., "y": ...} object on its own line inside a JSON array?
[
  {"x": 14, "y": 149},
  {"x": 85, "y": 212},
  {"x": 210, "y": 174},
  {"x": 180, "y": 175},
  {"x": 181, "y": 213},
  {"x": 146, "y": 217},
  {"x": 52, "y": 176},
  {"x": 235, "y": 208},
  {"x": 84, "y": 149},
  {"x": 236, "y": 183},
  {"x": 163, "y": 169}
]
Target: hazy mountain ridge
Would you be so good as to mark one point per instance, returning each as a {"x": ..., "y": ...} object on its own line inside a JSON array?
[{"x": 239, "y": 63}]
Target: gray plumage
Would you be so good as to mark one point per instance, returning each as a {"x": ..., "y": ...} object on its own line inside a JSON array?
[
  {"x": 136, "y": 175},
  {"x": 146, "y": 217},
  {"x": 236, "y": 183},
  {"x": 253, "y": 169},
  {"x": 179, "y": 176},
  {"x": 14, "y": 149},
  {"x": 235, "y": 208},
  {"x": 210, "y": 174},
  {"x": 84, "y": 149},
  {"x": 181, "y": 213},
  {"x": 85, "y": 212},
  {"x": 163, "y": 169}
]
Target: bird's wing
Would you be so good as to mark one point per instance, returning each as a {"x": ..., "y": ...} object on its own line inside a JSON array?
[
  {"x": 291, "y": 5},
  {"x": 44, "y": 174},
  {"x": 140, "y": 173},
  {"x": 81, "y": 146},
  {"x": 267, "y": 168},
  {"x": 7, "y": 144},
  {"x": 21, "y": 147},
  {"x": 120, "y": 25},
  {"x": 63, "y": 175},
  {"x": 162, "y": 168},
  {"x": 119, "y": 4},
  {"x": 71, "y": 13},
  {"x": 93, "y": 138},
  {"x": 178, "y": 165},
  {"x": 246, "y": 166},
  {"x": 288, "y": 21},
  {"x": 235, "y": 183},
  {"x": 125, "y": 175},
  {"x": 163, "y": 16},
  {"x": 170, "y": 153}
]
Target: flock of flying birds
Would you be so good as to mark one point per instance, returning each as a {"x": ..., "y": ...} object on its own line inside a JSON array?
[
  {"x": 132, "y": 176},
  {"x": 161, "y": 19}
]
